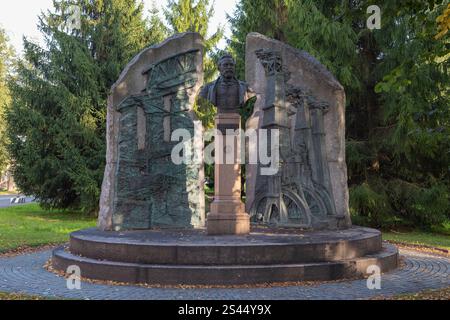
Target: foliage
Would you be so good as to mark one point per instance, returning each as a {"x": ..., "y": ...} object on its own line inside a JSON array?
[
  {"x": 396, "y": 80},
  {"x": 194, "y": 16},
  {"x": 56, "y": 123},
  {"x": 205, "y": 112},
  {"x": 397, "y": 203},
  {"x": 368, "y": 206},
  {"x": 443, "y": 23},
  {"x": 6, "y": 56},
  {"x": 157, "y": 30}
]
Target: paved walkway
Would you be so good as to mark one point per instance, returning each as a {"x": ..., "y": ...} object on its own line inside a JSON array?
[
  {"x": 25, "y": 274},
  {"x": 5, "y": 201}
]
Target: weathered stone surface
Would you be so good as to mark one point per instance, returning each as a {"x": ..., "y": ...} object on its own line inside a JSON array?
[
  {"x": 193, "y": 247},
  {"x": 155, "y": 94},
  {"x": 386, "y": 260},
  {"x": 301, "y": 98},
  {"x": 191, "y": 258}
]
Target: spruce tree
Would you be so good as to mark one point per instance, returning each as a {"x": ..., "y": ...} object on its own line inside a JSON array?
[
  {"x": 6, "y": 55},
  {"x": 194, "y": 16},
  {"x": 56, "y": 123},
  {"x": 157, "y": 30}
]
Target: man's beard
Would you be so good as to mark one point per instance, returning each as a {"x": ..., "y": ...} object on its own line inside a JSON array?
[{"x": 228, "y": 76}]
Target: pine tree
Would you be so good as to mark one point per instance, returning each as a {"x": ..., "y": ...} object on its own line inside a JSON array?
[
  {"x": 56, "y": 123},
  {"x": 6, "y": 55},
  {"x": 157, "y": 31},
  {"x": 194, "y": 16},
  {"x": 396, "y": 80}
]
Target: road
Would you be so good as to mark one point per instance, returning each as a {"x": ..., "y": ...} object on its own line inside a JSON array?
[{"x": 5, "y": 201}]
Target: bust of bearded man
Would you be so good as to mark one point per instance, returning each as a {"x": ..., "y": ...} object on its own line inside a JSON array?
[{"x": 227, "y": 93}]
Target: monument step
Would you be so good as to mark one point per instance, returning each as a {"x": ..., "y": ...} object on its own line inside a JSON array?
[
  {"x": 264, "y": 246},
  {"x": 387, "y": 260}
]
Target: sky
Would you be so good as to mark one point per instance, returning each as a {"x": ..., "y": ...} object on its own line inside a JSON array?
[{"x": 20, "y": 17}]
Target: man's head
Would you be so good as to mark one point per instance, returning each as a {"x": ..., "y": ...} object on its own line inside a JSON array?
[{"x": 227, "y": 66}]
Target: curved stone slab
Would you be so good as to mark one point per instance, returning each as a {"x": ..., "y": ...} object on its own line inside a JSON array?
[
  {"x": 175, "y": 275},
  {"x": 154, "y": 95},
  {"x": 309, "y": 86},
  {"x": 193, "y": 247}
]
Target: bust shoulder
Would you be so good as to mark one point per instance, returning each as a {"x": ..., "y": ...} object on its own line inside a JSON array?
[{"x": 204, "y": 91}]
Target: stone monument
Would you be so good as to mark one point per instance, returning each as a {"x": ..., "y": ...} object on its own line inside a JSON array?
[
  {"x": 228, "y": 94},
  {"x": 152, "y": 225},
  {"x": 155, "y": 94}
]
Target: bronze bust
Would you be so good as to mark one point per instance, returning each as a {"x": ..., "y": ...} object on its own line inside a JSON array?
[{"x": 227, "y": 93}]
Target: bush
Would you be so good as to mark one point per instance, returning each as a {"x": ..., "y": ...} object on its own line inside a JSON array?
[
  {"x": 367, "y": 206},
  {"x": 425, "y": 207},
  {"x": 398, "y": 203}
]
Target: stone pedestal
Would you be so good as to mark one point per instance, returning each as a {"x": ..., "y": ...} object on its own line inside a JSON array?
[
  {"x": 188, "y": 257},
  {"x": 227, "y": 215}
]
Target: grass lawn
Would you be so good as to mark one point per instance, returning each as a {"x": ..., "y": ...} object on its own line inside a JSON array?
[
  {"x": 31, "y": 226},
  {"x": 419, "y": 238},
  {"x": 438, "y": 237}
]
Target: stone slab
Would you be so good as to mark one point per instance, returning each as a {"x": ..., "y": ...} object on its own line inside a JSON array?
[
  {"x": 193, "y": 247},
  {"x": 224, "y": 275},
  {"x": 307, "y": 73},
  {"x": 138, "y": 209}
]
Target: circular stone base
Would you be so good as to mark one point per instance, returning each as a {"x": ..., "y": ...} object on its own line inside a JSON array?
[{"x": 190, "y": 257}]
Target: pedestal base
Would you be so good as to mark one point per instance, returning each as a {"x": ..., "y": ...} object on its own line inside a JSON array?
[
  {"x": 189, "y": 257},
  {"x": 227, "y": 215},
  {"x": 228, "y": 224}
]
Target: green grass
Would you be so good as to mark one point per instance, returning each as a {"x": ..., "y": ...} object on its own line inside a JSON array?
[
  {"x": 443, "y": 228},
  {"x": 32, "y": 226},
  {"x": 420, "y": 238}
]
